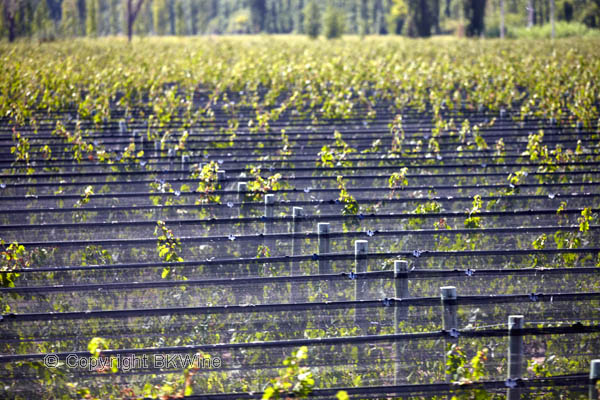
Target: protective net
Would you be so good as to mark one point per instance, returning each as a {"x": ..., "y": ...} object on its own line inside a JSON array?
[{"x": 209, "y": 268}]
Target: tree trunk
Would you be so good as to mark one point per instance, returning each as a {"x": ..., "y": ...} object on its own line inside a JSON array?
[
  {"x": 9, "y": 11},
  {"x": 530, "y": 14},
  {"x": 132, "y": 13},
  {"x": 129, "y": 22},
  {"x": 552, "y": 18},
  {"x": 11, "y": 30},
  {"x": 435, "y": 15},
  {"x": 501, "y": 19},
  {"x": 364, "y": 23},
  {"x": 193, "y": 17}
]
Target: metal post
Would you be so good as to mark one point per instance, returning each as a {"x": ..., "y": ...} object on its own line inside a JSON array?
[
  {"x": 594, "y": 378},
  {"x": 269, "y": 202},
  {"x": 297, "y": 216},
  {"x": 401, "y": 284},
  {"x": 361, "y": 247},
  {"x": 268, "y": 229},
  {"x": 184, "y": 160},
  {"x": 515, "y": 353},
  {"x": 221, "y": 178},
  {"x": 122, "y": 128},
  {"x": 146, "y": 142},
  {"x": 157, "y": 148},
  {"x": 553, "y": 124},
  {"x": 242, "y": 188},
  {"x": 138, "y": 138},
  {"x": 241, "y": 194},
  {"x": 296, "y": 228},
  {"x": 323, "y": 237},
  {"x": 401, "y": 313},
  {"x": 171, "y": 156},
  {"x": 324, "y": 265},
  {"x": 449, "y": 317}
]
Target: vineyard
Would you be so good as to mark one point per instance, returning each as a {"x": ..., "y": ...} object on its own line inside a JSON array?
[{"x": 267, "y": 217}]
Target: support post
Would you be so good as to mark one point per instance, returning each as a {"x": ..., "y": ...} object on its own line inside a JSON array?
[
  {"x": 157, "y": 149},
  {"x": 297, "y": 216},
  {"x": 515, "y": 353},
  {"x": 401, "y": 285},
  {"x": 324, "y": 265},
  {"x": 594, "y": 378},
  {"x": 401, "y": 313},
  {"x": 241, "y": 197},
  {"x": 269, "y": 212},
  {"x": 171, "y": 156},
  {"x": 269, "y": 202},
  {"x": 361, "y": 248},
  {"x": 242, "y": 188},
  {"x": 122, "y": 128},
  {"x": 450, "y": 307},
  {"x": 185, "y": 159},
  {"x": 449, "y": 317},
  {"x": 296, "y": 228},
  {"x": 221, "y": 178},
  {"x": 323, "y": 235},
  {"x": 138, "y": 138}
]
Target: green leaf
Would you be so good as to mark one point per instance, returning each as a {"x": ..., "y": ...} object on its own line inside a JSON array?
[
  {"x": 114, "y": 365},
  {"x": 163, "y": 251},
  {"x": 188, "y": 390},
  {"x": 342, "y": 395},
  {"x": 269, "y": 393}
]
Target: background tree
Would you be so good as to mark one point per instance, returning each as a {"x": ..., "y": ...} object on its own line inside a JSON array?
[
  {"x": 363, "y": 21},
  {"x": 143, "y": 23},
  {"x": 113, "y": 17},
  {"x": 43, "y": 25},
  {"x": 312, "y": 19},
  {"x": 240, "y": 23},
  {"x": 418, "y": 21},
  {"x": 416, "y": 18},
  {"x": 258, "y": 9},
  {"x": 133, "y": 8},
  {"x": 81, "y": 16},
  {"x": 397, "y": 16},
  {"x": 334, "y": 22},
  {"x": 298, "y": 5},
  {"x": 193, "y": 16},
  {"x": 160, "y": 16},
  {"x": 474, "y": 13},
  {"x": 91, "y": 20},
  {"x": 70, "y": 24},
  {"x": 9, "y": 13},
  {"x": 180, "y": 25}
]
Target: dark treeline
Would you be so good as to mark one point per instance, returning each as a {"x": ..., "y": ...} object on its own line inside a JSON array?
[{"x": 49, "y": 19}]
